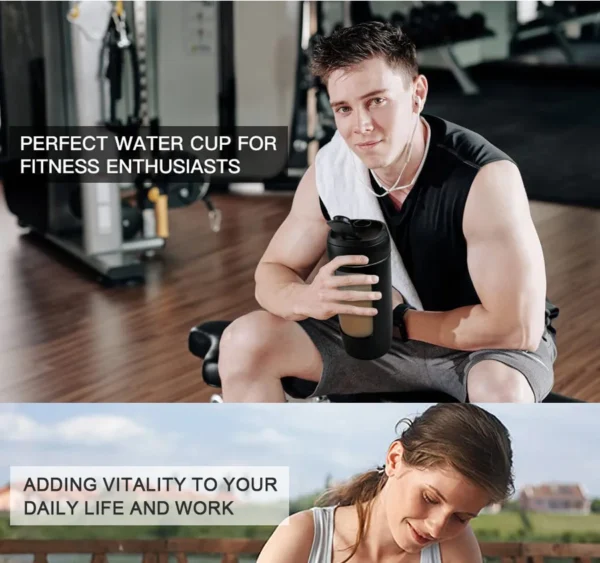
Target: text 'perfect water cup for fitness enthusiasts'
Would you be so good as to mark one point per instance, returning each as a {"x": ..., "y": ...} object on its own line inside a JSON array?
[{"x": 365, "y": 337}]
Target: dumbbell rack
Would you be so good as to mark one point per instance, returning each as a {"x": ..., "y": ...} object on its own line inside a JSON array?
[
  {"x": 440, "y": 29},
  {"x": 555, "y": 26}
]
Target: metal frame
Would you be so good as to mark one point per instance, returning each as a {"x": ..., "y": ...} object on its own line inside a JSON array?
[
  {"x": 556, "y": 29},
  {"x": 305, "y": 118},
  {"x": 99, "y": 244},
  {"x": 460, "y": 74}
]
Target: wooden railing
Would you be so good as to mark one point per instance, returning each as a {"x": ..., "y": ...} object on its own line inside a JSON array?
[
  {"x": 529, "y": 552},
  {"x": 158, "y": 551}
]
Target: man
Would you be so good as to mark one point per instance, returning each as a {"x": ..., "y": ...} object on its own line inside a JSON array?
[{"x": 458, "y": 214}]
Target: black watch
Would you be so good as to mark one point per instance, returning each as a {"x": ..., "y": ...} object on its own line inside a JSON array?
[{"x": 398, "y": 319}]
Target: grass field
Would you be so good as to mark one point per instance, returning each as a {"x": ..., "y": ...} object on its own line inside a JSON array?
[
  {"x": 507, "y": 523},
  {"x": 510, "y": 526},
  {"x": 565, "y": 522},
  {"x": 505, "y": 526}
]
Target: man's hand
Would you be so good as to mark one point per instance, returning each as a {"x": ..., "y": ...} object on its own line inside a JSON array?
[{"x": 330, "y": 294}]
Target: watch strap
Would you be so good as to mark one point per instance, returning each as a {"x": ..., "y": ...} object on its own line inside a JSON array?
[{"x": 398, "y": 319}]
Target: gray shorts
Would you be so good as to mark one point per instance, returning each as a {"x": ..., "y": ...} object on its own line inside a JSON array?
[{"x": 417, "y": 366}]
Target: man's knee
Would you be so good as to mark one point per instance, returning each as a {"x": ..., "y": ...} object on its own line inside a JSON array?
[
  {"x": 247, "y": 341},
  {"x": 490, "y": 381}
]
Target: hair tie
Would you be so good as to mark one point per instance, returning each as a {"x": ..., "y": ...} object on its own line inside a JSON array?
[{"x": 381, "y": 469}]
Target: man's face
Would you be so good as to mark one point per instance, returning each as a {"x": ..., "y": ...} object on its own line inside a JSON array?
[
  {"x": 374, "y": 110},
  {"x": 429, "y": 506}
]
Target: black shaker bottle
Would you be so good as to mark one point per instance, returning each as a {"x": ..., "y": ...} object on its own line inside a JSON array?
[{"x": 365, "y": 337}]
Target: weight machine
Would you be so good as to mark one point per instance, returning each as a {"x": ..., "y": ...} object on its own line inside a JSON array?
[
  {"x": 313, "y": 123},
  {"x": 552, "y": 21},
  {"x": 55, "y": 73}
]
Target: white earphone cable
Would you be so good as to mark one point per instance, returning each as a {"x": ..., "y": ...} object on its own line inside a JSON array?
[{"x": 395, "y": 187}]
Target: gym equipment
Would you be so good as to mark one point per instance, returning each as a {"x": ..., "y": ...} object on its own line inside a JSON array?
[
  {"x": 439, "y": 26},
  {"x": 131, "y": 216},
  {"x": 50, "y": 86},
  {"x": 360, "y": 12},
  {"x": 397, "y": 19},
  {"x": 365, "y": 338},
  {"x": 551, "y": 21},
  {"x": 433, "y": 24},
  {"x": 131, "y": 220},
  {"x": 312, "y": 121},
  {"x": 203, "y": 342}
]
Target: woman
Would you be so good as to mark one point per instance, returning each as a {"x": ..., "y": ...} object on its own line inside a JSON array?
[{"x": 448, "y": 464}]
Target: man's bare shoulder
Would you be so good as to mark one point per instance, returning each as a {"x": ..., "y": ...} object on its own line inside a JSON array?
[
  {"x": 292, "y": 540},
  {"x": 497, "y": 199},
  {"x": 306, "y": 198}
]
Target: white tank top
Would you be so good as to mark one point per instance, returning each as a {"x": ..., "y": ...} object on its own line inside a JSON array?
[{"x": 322, "y": 547}]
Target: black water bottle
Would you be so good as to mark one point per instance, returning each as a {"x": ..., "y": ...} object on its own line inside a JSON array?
[{"x": 365, "y": 337}]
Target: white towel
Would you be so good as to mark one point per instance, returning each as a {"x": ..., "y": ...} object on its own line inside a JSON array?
[{"x": 343, "y": 184}]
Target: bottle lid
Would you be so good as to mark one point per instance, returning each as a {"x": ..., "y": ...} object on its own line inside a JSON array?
[{"x": 356, "y": 235}]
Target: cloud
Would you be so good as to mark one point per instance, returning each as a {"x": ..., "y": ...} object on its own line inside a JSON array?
[
  {"x": 346, "y": 460},
  {"x": 346, "y": 421},
  {"x": 16, "y": 427},
  {"x": 264, "y": 437},
  {"x": 99, "y": 429},
  {"x": 85, "y": 430}
]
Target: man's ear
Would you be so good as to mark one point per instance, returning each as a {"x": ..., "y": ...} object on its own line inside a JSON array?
[{"x": 421, "y": 88}]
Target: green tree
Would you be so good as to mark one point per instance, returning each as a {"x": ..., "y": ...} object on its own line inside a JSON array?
[
  {"x": 165, "y": 532},
  {"x": 526, "y": 520},
  {"x": 596, "y": 506}
]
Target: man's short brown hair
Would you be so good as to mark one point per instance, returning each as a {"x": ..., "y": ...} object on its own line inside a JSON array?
[{"x": 350, "y": 46}]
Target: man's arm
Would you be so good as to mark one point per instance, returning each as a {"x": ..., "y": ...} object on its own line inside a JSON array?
[
  {"x": 293, "y": 252},
  {"x": 506, "y": 265},
  {"x": 282, "y": 284},
  {"x": 462, "y": 549}
]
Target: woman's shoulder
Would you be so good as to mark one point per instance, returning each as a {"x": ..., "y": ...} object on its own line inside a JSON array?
[
  {"x": 464, "y": 548},
  {"x": 291, "y": 541}
]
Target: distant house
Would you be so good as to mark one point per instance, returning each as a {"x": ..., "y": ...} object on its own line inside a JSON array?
[{"x": 558, "y": 498}]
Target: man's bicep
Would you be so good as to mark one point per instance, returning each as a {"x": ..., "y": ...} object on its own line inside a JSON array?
[
  {"x": 301, "y": 239},
  {"x": 505, "y": 256}
]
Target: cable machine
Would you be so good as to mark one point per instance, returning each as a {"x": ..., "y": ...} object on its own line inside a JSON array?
[{"x": 60, "y": 67}]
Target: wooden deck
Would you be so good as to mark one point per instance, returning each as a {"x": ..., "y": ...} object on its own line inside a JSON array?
[
  {"x": 63, "y": 338},
  {"x": 230, "y": 550}
]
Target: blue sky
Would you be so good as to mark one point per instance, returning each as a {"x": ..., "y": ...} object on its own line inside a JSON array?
[{"x": 552, "y": 443}]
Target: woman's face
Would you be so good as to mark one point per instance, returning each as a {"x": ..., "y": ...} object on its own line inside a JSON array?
[{"x": 426, "y": 506}]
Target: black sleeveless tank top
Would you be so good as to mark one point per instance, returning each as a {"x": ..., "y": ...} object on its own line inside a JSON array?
[{"x": 428, "y": 228}]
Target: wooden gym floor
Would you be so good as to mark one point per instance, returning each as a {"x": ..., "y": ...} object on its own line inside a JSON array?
[{"x": 63, "y": 338}]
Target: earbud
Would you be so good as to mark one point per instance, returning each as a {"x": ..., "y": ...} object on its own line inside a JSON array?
[{"x": 419, "y": 103}]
